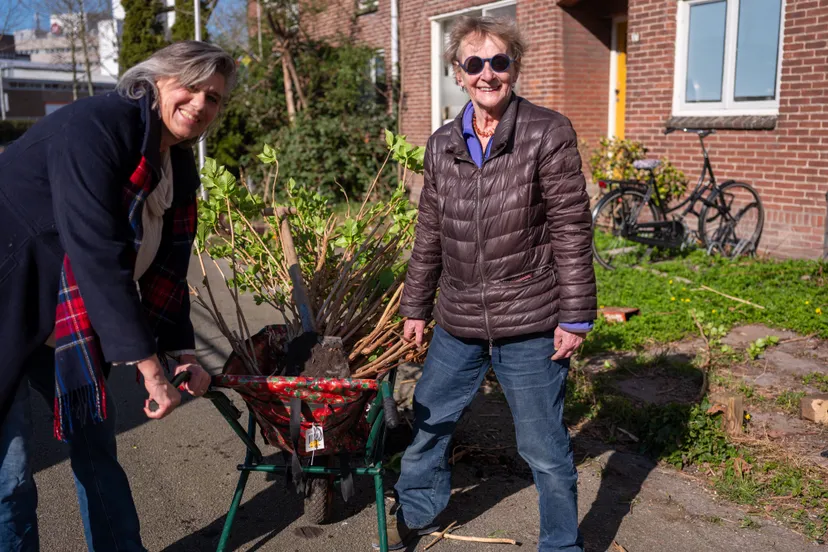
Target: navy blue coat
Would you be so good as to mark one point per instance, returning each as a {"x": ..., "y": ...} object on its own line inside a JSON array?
[{"x": 61, "y": 188}]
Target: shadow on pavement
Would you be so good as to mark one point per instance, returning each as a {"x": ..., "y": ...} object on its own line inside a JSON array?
[{"x": 129, "y": 397}]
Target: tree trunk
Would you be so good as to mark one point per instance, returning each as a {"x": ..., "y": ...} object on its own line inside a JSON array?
[
  {"x": 74, "y": 58},
  {"x": 291, "y": 107},
  {"x": 303, "y": 102},
  {"x": 84, "y": 36}
]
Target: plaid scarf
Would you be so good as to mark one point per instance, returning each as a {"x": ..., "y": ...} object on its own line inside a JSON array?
[{"x": 80, "y": 394}]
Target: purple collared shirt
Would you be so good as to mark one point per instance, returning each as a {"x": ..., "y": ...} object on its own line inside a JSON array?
[{"x": 478, "y": 156}]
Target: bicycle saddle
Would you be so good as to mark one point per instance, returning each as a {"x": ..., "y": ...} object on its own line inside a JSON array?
[{"x": 646, "y": 164}]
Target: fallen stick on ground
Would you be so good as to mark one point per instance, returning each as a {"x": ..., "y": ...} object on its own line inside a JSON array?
[
  {"x": 706, "y": 288},
  {"x": 475, "y": 539},
  {"x": 800, "y": 338},
  {"x": 627, "y": 433},
  {"x": 440, "y": 537},
  {"x": 617, "y": 547}
]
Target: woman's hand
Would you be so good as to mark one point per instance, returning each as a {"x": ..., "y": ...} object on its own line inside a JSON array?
[
  {"x": 414, "y": 328},
  {"x": 158, "y": 388},
  {"x": 199, "y": 378},
  {"x": 566, "y": 343}
]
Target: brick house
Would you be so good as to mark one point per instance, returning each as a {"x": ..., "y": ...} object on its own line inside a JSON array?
[{"x": 755, "y": 70}]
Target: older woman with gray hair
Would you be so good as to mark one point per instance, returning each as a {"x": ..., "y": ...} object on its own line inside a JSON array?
[
  {"x": 504, "y": 232},
  {"x": 97, "y": 220}
]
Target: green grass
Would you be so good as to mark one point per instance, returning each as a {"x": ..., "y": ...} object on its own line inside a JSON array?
[
  {"x": 818, "y": 380},
  {"x": 790, "y": 291},
  {"x": 789, "y": 401}
]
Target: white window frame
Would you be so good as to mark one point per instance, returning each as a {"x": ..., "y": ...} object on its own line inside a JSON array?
[
  {"x": 726, "y": 107},
  {"x": 437, "y": 53}
]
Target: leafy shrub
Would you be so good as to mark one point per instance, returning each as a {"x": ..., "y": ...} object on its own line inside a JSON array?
[{"x": 613, "y": 160}]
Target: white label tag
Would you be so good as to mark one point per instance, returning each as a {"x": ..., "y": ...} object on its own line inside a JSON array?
[{"x": 314, "y": 439}]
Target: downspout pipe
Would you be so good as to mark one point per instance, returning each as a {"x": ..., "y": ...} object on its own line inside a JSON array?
[
  {"x": 825, "y": 238},
  {"x": 395, "y": 40}
]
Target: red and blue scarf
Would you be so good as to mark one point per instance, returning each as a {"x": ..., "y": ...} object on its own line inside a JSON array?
[{"x": 80, "y": 391}]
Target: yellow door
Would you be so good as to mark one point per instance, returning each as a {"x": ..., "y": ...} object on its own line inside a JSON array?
[{"x": 620, "y": 77}]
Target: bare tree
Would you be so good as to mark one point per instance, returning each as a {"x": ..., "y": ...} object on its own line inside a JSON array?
[
  {"x": 12, "y": 15},
  {"x": 78, "y": 35}
]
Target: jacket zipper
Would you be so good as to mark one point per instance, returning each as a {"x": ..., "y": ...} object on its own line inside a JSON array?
[{"x": 480, "y": 262}]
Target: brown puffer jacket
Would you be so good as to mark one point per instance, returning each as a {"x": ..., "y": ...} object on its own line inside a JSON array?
[{"x": 508, "y": 244}]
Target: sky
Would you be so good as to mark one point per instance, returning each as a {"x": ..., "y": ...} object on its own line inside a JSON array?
[{"x": 19, "y": 14}]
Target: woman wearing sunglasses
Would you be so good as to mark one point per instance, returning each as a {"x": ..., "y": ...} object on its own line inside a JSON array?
[{"x": 504, "y": 232}]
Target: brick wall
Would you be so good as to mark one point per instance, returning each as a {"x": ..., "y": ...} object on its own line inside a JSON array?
[
  {"x": 787, "y": 165},
  {"x": 373, "y": 29}
]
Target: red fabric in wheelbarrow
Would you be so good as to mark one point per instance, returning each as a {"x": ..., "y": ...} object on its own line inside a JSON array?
[{"x": 337, "y": 405}]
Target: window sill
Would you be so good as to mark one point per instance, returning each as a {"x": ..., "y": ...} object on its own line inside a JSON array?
[
  {"x": 724, "y": 122},
  {"x": 367, "y": 11}
]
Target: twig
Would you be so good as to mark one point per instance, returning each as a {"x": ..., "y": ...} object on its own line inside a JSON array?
[
  {"x": 475, "y": 539},
  {"x": 707, "y": 288},
  {"x": 617, "y": 547},
  {"x": 628, "y": 434},
  {"x": 800, "y": 338},
  {"x": 440, "y": 537},
  {"x": 705, "y": 367}
]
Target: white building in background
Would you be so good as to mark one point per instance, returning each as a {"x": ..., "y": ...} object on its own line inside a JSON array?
[{"x": 104, "y": 32}]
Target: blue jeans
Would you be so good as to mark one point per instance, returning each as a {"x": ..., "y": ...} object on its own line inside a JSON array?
[
  {"x": 110, "y": 521},
  {"x": 534, "y": 386}
]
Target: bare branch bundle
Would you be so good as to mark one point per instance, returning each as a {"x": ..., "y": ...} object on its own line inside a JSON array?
[{"x": 354, "y": 265}]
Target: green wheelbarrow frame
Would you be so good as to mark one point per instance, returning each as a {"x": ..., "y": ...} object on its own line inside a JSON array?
[{"x": 254, "y": 460}]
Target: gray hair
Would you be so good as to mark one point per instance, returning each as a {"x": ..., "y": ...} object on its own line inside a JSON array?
[
  {"x": 190, "y": 62},
  {"x": 502, "y": 28}
]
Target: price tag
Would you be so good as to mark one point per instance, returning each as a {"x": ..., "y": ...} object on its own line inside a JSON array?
[{"x": 314, "y": 438}]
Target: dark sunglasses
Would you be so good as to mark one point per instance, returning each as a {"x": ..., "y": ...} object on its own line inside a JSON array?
[{"x": 474, "y": 64}]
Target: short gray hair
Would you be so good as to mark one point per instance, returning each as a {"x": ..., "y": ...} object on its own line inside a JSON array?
[
  {"x": 502, "y": 28},
  {"x": 190, "y": 62}
]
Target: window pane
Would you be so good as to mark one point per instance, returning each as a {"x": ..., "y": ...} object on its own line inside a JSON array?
[
  {"x": 757, "y": 49},
  {"x": 451, "y": 95},
  {"x": 509, "y": 12},
  {"x": 705, "y": 52}
]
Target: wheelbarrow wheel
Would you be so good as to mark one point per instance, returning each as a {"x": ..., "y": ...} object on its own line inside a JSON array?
[{"x": 319, "y": 494}]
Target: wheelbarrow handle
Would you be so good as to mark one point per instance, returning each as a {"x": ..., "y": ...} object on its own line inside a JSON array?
[
  {"x": 179, "y": 378},
  {"x": 389, "y": 406}
]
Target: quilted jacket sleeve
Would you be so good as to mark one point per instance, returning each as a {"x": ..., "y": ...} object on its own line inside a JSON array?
[
  {"x": 569, "y": 220},
  {"x": 426, "y": 262}
]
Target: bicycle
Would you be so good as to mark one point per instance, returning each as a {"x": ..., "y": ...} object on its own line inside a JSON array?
[{"x": 632, "y": 221}]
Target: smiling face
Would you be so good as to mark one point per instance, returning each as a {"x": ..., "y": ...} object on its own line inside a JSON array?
[
  {"x": 489, "y": 91},
  {"x": 187, "y": 111}
]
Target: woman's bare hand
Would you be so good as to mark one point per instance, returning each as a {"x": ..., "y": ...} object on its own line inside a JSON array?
[
  {"x": 158, "y": 389},
  {"x": 413, "y": 328}
]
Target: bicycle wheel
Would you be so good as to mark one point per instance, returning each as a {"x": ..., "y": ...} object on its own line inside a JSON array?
[
  {"x": 610, "y": 218},
  {"x": 731, "y": 222}
]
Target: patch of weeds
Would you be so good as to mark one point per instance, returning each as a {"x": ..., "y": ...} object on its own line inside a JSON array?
[
  {"x": 818, "y": 380},
  {"x": 787, "y": 481},
  {"x": 758, "y": 347},
  {"x": 715, "y": 520},
  {"x": 748, "y": 522},
  {"x": 789, "y": 401},
  {"x": 703, "y": 439},
  {"x": 747, "y": 390},
  {"x": 579, "y": 402}
]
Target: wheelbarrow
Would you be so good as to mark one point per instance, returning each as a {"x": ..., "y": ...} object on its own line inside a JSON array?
[{"x": 353, "y": 415}]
